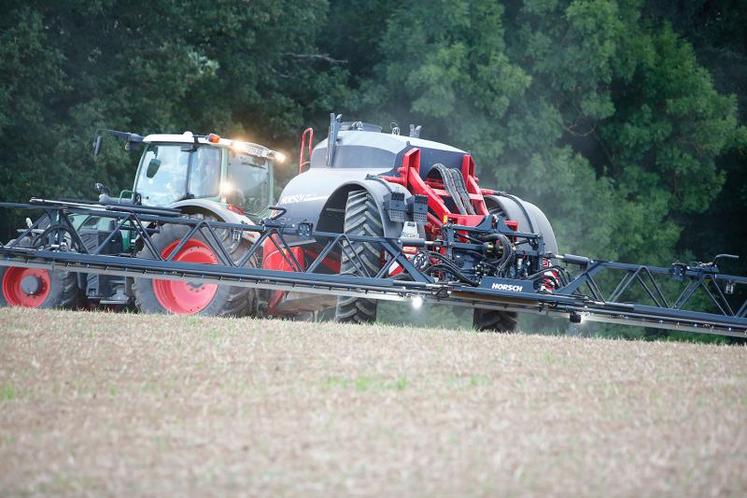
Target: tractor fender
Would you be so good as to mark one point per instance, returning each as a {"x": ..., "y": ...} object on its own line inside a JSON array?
[
  {"x": 530, "y": 217},
  {"x": 319, "y": 195},
  {"x": 217, "y": 209}
]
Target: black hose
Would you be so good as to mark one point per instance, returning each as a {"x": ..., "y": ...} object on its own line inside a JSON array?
[
  {"x": 507, "y": 252},
  {"x": 450, "y": 187},
  {"x": 562, "y": 272},
  {"x": 461, "y": 188},
  {"x": 448, "y": 265},
  {"x": 454, "y": 271}
]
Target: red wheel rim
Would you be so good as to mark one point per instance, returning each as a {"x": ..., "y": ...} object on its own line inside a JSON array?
[
  {"x": 16, "y": 294},
  {"x": 186, "y": 298}
]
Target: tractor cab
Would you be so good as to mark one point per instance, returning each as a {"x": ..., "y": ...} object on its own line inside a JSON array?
[
  {"x": 175, "y": 168},
  {"x": 206, "y": 176}
]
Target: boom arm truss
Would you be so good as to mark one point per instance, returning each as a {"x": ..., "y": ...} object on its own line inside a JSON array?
[{"x": 603, "y": 291}]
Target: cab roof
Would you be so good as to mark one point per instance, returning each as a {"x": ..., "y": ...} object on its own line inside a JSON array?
[{"x": 189, "y": 138}]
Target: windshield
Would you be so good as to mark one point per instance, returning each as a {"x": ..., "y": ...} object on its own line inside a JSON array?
[
  {"x": 165, "y": 170},
  {"x": 248, "y": 182}
]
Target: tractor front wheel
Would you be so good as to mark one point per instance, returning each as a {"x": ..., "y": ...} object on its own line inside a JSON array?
[
  {"x": 184, "y": 297},
  {"x": 37, "y": 288}
]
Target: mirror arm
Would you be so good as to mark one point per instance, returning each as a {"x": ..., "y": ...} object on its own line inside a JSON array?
[{"x": 129, "y": 138}]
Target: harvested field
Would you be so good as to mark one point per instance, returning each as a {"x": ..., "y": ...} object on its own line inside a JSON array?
[{"x": 116, "y": 404}]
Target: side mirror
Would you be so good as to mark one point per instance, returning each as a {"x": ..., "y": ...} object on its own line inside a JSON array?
[
  {"x": 102, "y": 189},
  {"x": 153, "y": 166},
  {"x": 96, "y": 146}
]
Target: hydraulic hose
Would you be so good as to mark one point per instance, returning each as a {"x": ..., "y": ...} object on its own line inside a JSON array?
[
  {"x": 461, "y": 188},
  {"x": 447, "y": 265},
  {"x": 450, "y": 187},
  {"x": 507, "y": 251}
]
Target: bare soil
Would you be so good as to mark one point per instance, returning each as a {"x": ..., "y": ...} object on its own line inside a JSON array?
[{"x": 116, "y": 404}]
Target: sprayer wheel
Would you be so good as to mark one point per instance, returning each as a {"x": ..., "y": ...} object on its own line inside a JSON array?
[
  {"x": 362, "y": 217},
  {"x": 495, "y": 321}
]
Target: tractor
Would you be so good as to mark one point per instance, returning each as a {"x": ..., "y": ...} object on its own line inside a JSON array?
[
  {"x": 201, "y": 176},
  {"x": 362, "y": 181}
]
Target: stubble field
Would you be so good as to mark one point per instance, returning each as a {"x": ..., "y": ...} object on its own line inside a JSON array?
[{"x": 116, "y": 404}]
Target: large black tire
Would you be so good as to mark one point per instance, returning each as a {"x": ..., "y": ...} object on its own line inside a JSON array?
[
  {"x": 362, "y": 217},
  {"x": 228, "y": 300},
  {"x": 62, "y": 287},
  {"x": 495, "y": 321}
]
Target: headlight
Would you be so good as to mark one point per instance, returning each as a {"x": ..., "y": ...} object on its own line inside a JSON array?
[{"x": 226, "y": 188}]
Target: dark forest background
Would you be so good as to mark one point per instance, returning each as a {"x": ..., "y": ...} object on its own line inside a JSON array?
[{"x": 624, "y": 120}]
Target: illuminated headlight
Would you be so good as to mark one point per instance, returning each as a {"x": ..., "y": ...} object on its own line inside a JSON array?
[
  {"x": 278, "y": 156},
  {"x": 226, "y": 188}
]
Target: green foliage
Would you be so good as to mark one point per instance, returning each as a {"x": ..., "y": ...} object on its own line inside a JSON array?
[
  {"x": 30, "y": 78},
  {"x": 574, "y": 105},
  {"x": 718, "y": 33},
  {"x": 71, "y": 68}
]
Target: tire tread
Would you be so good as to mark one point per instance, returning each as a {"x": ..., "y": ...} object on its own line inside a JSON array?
[{"x": 361, "y": 218}]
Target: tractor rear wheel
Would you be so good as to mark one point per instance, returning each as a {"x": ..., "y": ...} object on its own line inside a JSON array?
[
  {"x": 190, "y": 298},
  {"x": 362, "y": 217},
  {"x": 38, "y": 288}
]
